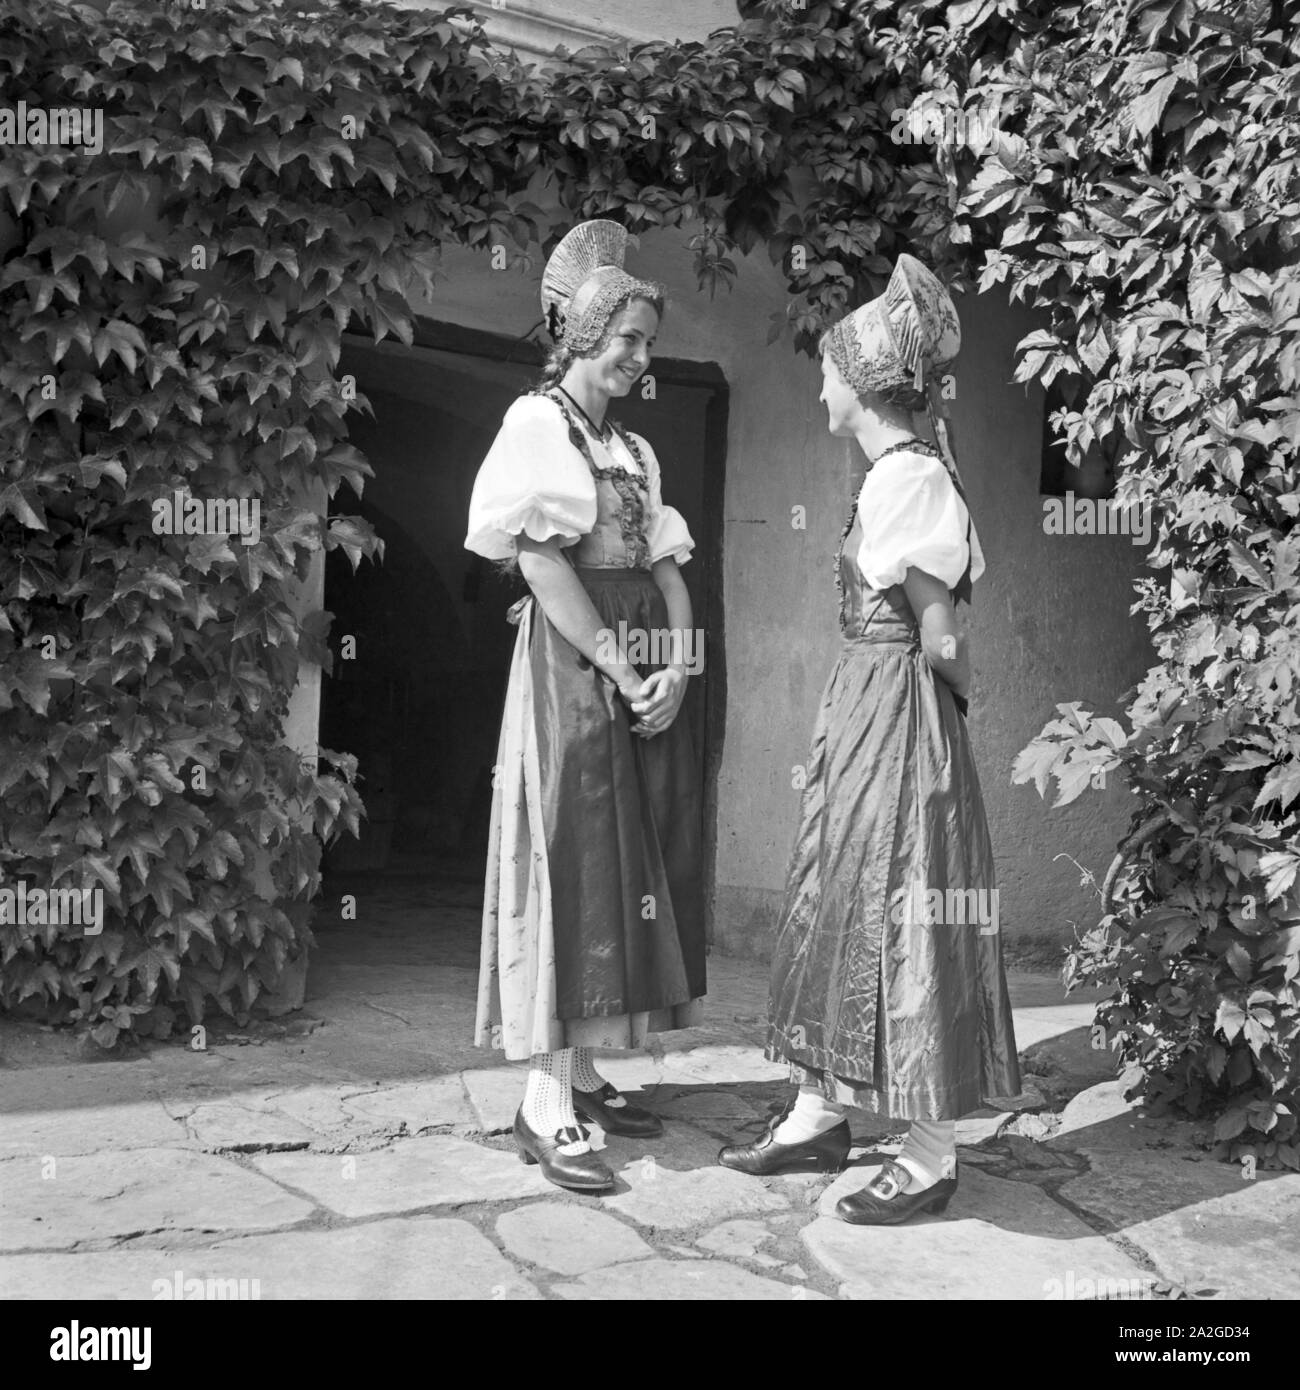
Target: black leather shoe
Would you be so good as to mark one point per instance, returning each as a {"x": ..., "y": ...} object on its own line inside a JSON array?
[
  {"x": 628, "y": 1120},
  {"x": 579, "y": 1172},
  {"x": 827, "y": 1153},
  {"x": 883, "y": 1202}
]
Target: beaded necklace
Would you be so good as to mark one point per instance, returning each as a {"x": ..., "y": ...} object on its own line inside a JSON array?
[{"x": 912, "y": 445}]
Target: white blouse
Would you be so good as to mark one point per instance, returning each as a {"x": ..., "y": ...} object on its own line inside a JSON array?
[
  {"x": 534, "y": 482},
  {"x": 911, "y": 515}
]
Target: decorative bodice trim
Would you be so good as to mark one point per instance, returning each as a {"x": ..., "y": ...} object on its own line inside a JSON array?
[{"x": 632, "y": 498}]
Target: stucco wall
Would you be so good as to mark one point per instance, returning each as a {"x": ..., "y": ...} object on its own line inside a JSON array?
[{"x": 1050, "y": 619}]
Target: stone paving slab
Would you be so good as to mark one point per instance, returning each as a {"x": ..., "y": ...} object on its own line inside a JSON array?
[
  {"x": 568, "y": 1238},
  {"x": 414, "y": 1257},
  {"x": 411, "y": 1175},
  {"x": 630, "y": 1071},
  {"x": 322, "y": 1110},
  {"x": 997, "y": 1240},
  {"x": 983, "y": 1124},
  {"x": 682, "y": 1147},
  {"x": 242, "y": 1125},
  {"x": 1203, "y": 1224},
  {"x": 712, "y": 1105},
  {"x": 722, "y": 1062},
  {"x": 741, "y": 1240},
  {"x": 111, "y": 1195},
  {"x": 1100, "y": 1118},
  {"x": 82, "y": 1108},
  {"x": 663, "y": 1200},
  {"x": 1036, "y": 1025},
  {"x": 87, "y": 1129},
  {"x": 438, "y": 1103},
  {"x": 495, "y": 1094},
  {"x": 650, "y": 1281}
]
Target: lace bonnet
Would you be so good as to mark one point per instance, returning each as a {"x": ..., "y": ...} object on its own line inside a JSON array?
[
  {"x": 895, "y": 342},
  {"x": 584, "y": 284}
]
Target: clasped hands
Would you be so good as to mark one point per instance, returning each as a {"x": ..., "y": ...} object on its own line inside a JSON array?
[{"x": 656, "y": 700}]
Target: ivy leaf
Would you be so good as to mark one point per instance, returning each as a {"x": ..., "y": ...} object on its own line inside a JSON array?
[
  {"x": 1239, "y": 961},
  {"x": 1036, "y": 763},
  {"x": 1281, "y": 785},
  {"x": 21, "y": 501},
  {"x": 1149, "y": 106},
  {"x": 1231, "y": 1123},
  {"x": 122, "y": 339},
  {"x": 150, "y": 963},
  {"x": 1179, "y": 927},
  {"x": 1279, "y": 869}
]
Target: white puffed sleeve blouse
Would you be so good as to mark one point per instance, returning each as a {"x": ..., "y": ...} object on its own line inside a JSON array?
[
  {"x": 666, "y": 531},
  {"x": 911, "y": 515},
  {"x": 534, "y": 482}
]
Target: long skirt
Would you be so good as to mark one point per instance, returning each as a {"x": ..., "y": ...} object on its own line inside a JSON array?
[
  {"x": 593, "y": 916},
  {"x": 888, "y": 990}
]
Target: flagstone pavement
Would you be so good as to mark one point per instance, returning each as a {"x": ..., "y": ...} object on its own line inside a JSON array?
[{"x": 360, "y": 1148}]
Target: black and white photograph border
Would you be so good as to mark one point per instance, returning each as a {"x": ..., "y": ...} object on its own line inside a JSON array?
[{"x": 650, "y": 650}]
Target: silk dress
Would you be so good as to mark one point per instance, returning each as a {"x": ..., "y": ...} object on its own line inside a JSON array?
[
  {"x": 888, "y": 990},
  {"x": 593, "y": 917}
]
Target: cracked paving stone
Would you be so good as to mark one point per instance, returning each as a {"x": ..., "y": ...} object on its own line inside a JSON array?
[
  {"x": 1203, "y": 1224},
  {"x": 997, "y": 1239},
  {"x": 110, "y": 1195},
  {"x": 657, "y": 1280},
  {"x": 982, "y": 1125},
  {"x": 568, "y": 1239},
  {"x": 410, "y": 1174},
  {"x": 316, "y": 1107},
  {"x": 437, "y": 1103},
  {"x": 413, "y": 1257},
  {"x": 240, "y": 1126},
  {"x": 739, "y": 1240},
  {"x": 661, "y": 1198}
]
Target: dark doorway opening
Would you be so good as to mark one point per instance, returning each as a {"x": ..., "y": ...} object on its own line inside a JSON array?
[{"x": 420, "y": 705}]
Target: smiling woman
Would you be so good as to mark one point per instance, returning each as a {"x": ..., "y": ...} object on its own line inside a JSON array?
[{"x": 593, "y": 921}]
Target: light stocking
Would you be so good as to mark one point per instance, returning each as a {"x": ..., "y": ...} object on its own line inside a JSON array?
[
  {"x": 548, "y": 1098},
  {"x": 929, "y": 1153},
  {"x": 812, "y": 1115}
]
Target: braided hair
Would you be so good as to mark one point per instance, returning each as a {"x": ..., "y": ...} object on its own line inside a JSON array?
[{"x": 558, "y": 361}]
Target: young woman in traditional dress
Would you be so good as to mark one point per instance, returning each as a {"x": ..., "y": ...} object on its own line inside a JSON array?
[
  {"x": 878, "y": 1001},
  {"x": 593, "y": 924}
]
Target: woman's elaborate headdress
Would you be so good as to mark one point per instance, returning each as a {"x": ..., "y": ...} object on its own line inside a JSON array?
[
  {"x": 584, "y": 284},
  {"x": 897, "y": 345},
  {"x": 894, "y": 342}
]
